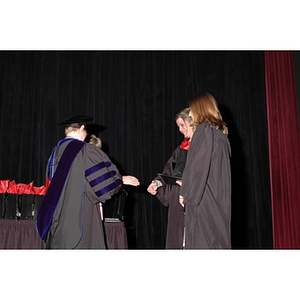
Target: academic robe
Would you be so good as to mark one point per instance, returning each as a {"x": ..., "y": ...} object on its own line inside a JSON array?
[
  {"x": 206, "y": 188},
  {"x": 168, "y": 195},
  {"x": 74, "y": 222}
]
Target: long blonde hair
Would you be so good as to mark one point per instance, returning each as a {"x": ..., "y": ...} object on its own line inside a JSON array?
[{"x": 205, "y": 110}]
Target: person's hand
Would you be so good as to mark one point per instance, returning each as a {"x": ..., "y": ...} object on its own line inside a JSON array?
[
  {"x": 179, "y": 182},
  {"x": 181, "y": 200},
  {"x": 130, "y": 180},
  {"x": 152, "y": 188}
]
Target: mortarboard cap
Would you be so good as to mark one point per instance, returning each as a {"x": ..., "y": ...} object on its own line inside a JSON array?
[
  {"x": 76, "y": 120},
  {"x": 94, "y": 128}
]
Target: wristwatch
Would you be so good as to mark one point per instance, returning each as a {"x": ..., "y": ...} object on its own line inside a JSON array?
[{"x": 158, "y": 183}]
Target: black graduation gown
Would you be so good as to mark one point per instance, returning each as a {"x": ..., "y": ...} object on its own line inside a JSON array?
[
  {"x": 206, "y": 187},
  {"x": 76, "y": 222},
  {"x": 168, "y": 195}
]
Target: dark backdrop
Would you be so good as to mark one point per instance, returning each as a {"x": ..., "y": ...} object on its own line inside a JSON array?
[{"x": 135, "y": 95}]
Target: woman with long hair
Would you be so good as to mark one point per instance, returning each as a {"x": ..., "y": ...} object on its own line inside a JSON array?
[{"x": 206, "y": 181}]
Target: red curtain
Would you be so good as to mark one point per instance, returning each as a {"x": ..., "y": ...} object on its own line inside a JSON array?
[{"x": 284, "y": 150}]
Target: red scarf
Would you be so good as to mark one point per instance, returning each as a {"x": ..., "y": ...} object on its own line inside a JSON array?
[{"x": 185, "y": 144}]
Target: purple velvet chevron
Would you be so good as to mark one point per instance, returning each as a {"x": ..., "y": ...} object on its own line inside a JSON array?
[
  {"x": 103, "y": 178},
  {"x": 109, "y": 187},
  {"x": 97, "y": 167}
]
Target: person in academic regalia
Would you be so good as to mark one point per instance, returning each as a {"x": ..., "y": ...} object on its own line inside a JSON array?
[
  {"x": 206, "y": 181},
  {"x": 80, "y": 175},
  {"x": 116, "y": 200},
  {"x": 168, "y": 193},
  {"x": 127, "y": 179}
]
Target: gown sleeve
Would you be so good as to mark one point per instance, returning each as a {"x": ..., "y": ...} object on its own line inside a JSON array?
[
  {"x": 165, "y": 192},
  {"x": 198, "y": 164},
  {"x": 102, "y": 175}
]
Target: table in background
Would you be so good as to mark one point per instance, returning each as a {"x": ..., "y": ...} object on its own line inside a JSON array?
[{"x": 18, "y": 230}]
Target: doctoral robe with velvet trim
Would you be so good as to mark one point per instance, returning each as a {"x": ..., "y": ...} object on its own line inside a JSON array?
[
  {"x": 206, "y": 188},
  {"x": 76, "y": 222}
]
